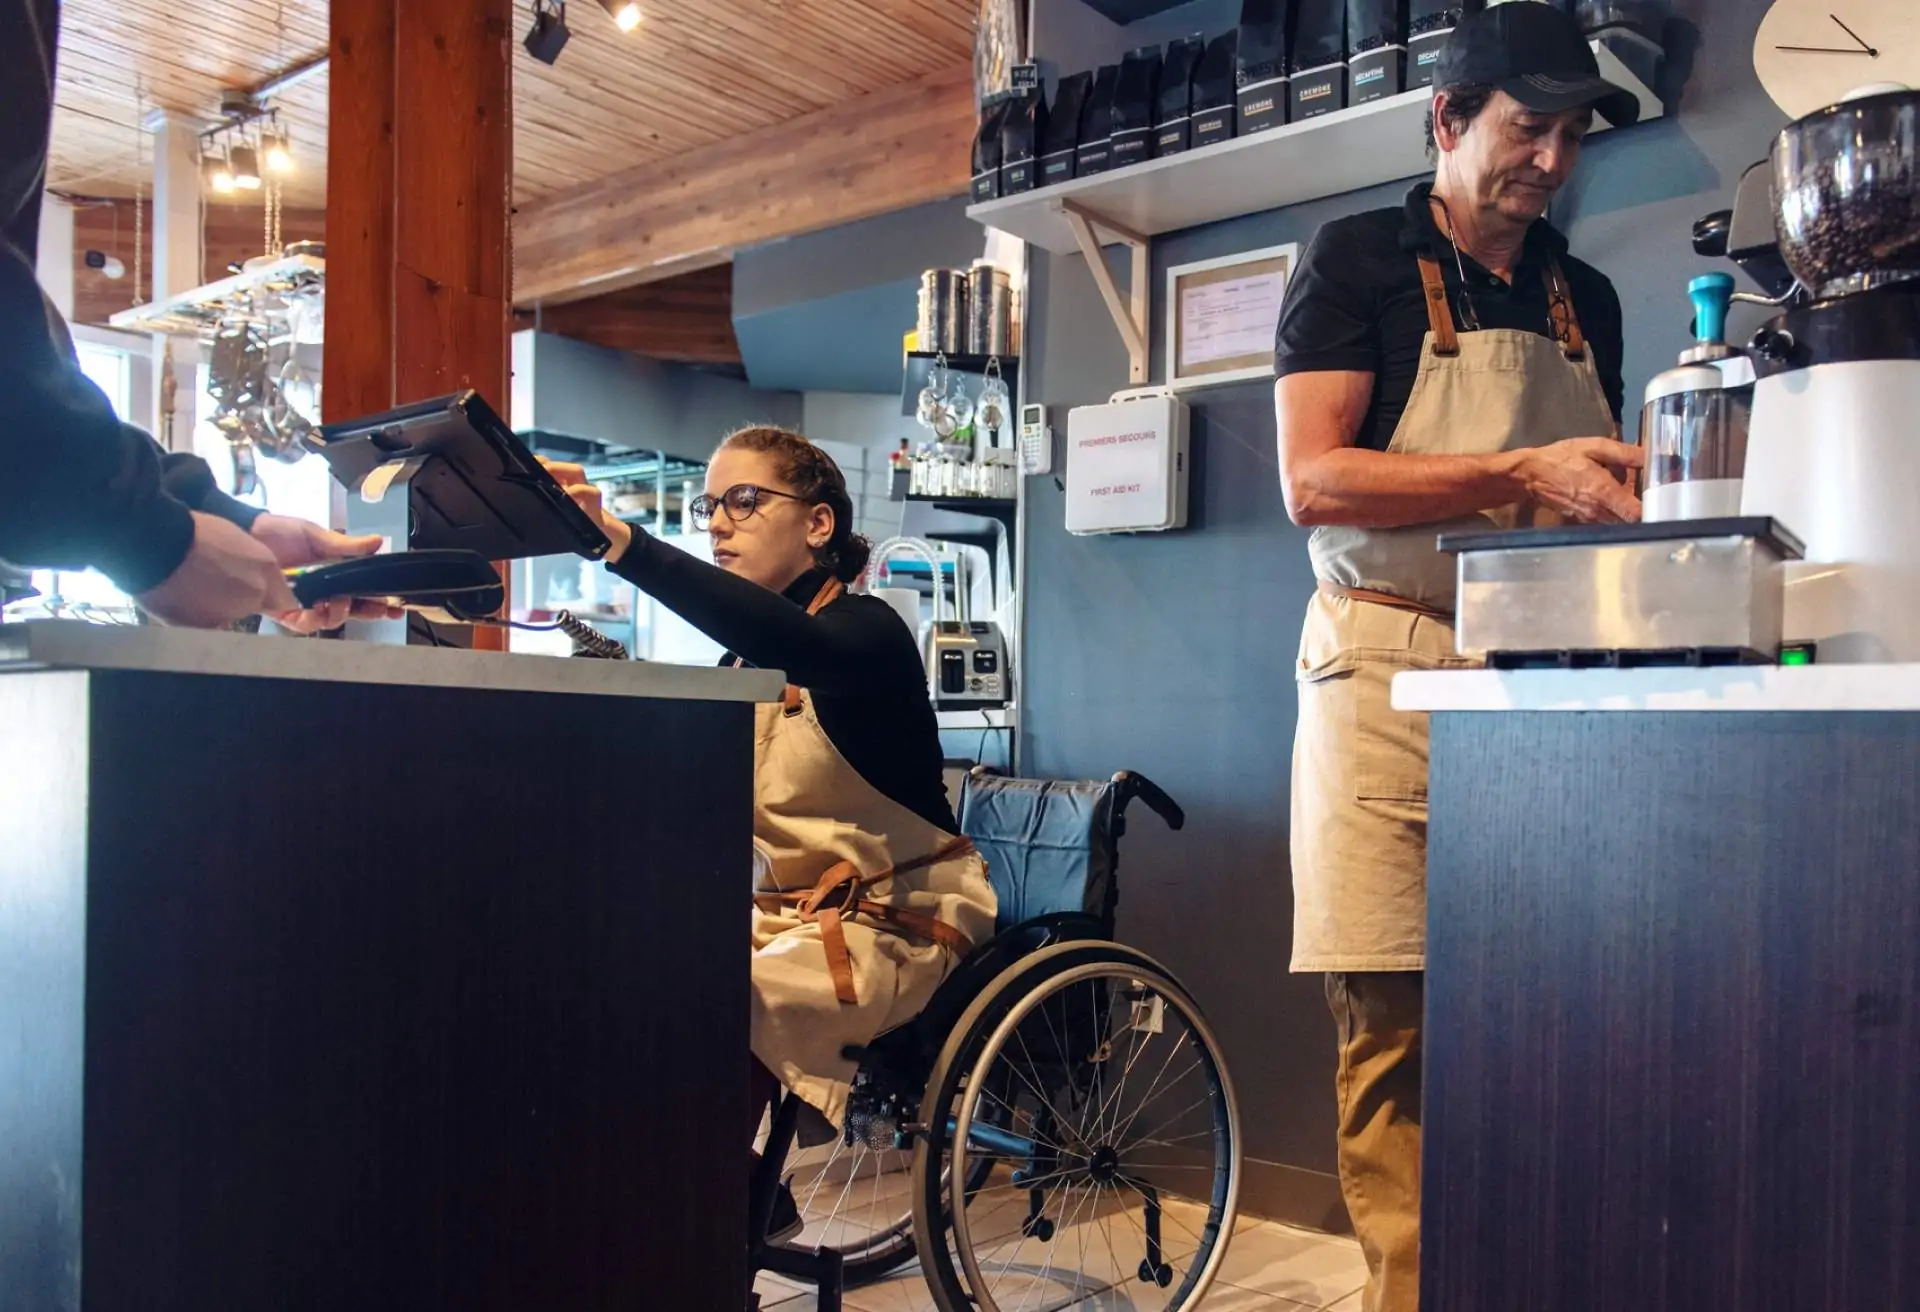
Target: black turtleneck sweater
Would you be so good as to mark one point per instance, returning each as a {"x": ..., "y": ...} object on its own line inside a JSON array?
[{"x": 855, "y": 658}]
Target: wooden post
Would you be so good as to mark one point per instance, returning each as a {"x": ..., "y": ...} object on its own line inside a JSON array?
[{"x": 419, "y": 171}]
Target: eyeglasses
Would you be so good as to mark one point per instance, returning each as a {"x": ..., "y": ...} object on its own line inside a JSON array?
[{"x": 739, "y": 501}]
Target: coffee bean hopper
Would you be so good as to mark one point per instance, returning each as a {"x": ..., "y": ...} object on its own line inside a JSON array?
[{"x": 1833, "y": 450}]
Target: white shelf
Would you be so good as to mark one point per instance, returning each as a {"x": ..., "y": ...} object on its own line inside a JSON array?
[
  {"x": 1346, "y": 150},
  {"x": 988, "y": 717},
  {"x": 200, "y": 309}
]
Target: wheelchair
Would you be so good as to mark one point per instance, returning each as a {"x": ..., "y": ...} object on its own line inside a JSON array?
[{"x": 1056, "y": 1125}]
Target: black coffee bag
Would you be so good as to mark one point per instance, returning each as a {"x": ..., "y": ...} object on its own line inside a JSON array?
[
  {"x": 1172, "y": 121},
  {"x": 1094, "y": 154},
  {"x": 986, "y": 148},
  {"x": 1260, "y": 64},
  {"x": 1376, "y": 49},
  {"x": 1317, "y": 58},
  {"x": 1135, "y": 97},
  {"x": 1429, "y": 23},
  {"x": 1213, "y": 85},
  {"x": 1020, "y": 135},
  {"x": 1063, "y": 127}
]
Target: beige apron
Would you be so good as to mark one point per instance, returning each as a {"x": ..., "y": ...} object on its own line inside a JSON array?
[
  {"x": 861, "y": 907},
  {"x": 1385, "y": 603}
]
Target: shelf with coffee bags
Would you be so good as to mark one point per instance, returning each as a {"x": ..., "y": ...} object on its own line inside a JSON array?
[{"x": 1341, "y": 151}]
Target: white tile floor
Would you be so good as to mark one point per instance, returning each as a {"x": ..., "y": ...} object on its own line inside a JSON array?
[{"x": 1268, "y": 1268}]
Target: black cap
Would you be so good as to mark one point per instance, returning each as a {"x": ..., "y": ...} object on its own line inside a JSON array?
[{"x": 1534, "y": 53}]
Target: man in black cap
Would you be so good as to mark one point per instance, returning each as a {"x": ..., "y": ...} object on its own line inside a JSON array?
[{"x": 1442, "y": 365}]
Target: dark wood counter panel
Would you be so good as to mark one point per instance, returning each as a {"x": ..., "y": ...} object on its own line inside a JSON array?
[
  {"x": 1673, "y": 1049},
  {"x": 332, "y": 995}
]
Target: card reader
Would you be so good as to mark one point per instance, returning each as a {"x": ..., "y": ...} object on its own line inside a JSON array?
[{"x": 461, "y": 583}]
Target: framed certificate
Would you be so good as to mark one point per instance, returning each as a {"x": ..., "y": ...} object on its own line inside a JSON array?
[{"x": 1221, "y": 315}]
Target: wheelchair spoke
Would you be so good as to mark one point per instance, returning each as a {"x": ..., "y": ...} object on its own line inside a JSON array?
[
  {"x": 1052, "y": 1250},
  {"x": 1147, "y": 1101},
  {"x": 1114, "y": 1103},
  {"x": 1168, "y": 1123},
  {"x": 821, "y": 1178},
  {"x": 1044, "y": 1100}
]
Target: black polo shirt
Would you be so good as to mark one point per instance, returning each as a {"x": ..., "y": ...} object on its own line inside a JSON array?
[{"x": 1354, "y": 302}]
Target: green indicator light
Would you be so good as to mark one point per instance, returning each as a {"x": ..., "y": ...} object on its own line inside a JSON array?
[{"x": 1802, "y": 655}]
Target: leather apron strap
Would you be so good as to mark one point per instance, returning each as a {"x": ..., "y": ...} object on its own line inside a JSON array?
[
  {"x": 1560, "y": 312},
  {"x": 829, "y": 593},
  {"x": 1439, "y": 308},
  {"x": 1566, "y": 324},
  {"x": 1385, "y": 599},
  {"x": 837, "y": 896}
]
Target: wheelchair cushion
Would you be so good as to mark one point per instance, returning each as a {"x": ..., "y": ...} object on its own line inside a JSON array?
[{"x": 1049, "y": 845}]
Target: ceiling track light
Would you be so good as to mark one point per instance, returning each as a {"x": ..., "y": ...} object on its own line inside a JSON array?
[
  {"x": 276, "y": 149},
  {"x": 548, "y": 35},
  {"x": 246, "y": 168},
  {"x": 626, "y": 13},
  {"x": 217, "y": 173}
]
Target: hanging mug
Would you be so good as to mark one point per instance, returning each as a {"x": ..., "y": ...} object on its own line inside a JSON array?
[
  {"x": 991, "y": 411},
  {"x": 960, "y": 405},
  {"x": 931, "y": 409}
]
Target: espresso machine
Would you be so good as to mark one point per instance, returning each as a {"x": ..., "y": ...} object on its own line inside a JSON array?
[{"x": 1833, "y": 447}]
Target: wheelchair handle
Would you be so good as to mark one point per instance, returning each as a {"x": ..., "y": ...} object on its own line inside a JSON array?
[{"x": 1131, "y": 785}]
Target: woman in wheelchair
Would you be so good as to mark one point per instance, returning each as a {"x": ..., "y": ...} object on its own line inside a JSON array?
[{"x": 864, "y": 895}]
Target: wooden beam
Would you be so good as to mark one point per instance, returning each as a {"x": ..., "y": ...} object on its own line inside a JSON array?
[
  {"x": 889, "y": 150},
  {"x": 687, "y": 319},
  {"x": 419, "y": 165}
]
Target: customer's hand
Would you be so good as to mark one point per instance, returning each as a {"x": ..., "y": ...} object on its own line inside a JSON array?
[
  {"x": 1581, "y": 478},
  {"x": 226, "y": 576},
  {"x": 296, "y": 542},
  {"x": 573, "y": 479}
]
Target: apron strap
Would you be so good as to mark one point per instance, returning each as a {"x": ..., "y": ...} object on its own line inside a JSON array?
[
  {"x": 1566, "y": 324},
  {"x": 1439, "y": 309},
  {"x": 829, "y": 593},
  {"x": 837, "y": 896},
  {"x": 1560, "y": 313},
  {"x": 1384, "y": 599}
]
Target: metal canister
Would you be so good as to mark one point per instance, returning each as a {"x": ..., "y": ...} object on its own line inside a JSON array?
[
  {"x": 943, "y": 310},
  {"x": 989, "y": 310}
]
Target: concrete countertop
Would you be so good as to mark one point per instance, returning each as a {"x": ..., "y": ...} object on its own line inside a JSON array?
[
  {"x": 1727, "y": 688},
  {"x": 73, "y": 644}
]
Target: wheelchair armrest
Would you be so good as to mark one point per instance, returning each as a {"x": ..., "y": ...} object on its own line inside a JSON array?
[{"x": 1131, "y": 785}]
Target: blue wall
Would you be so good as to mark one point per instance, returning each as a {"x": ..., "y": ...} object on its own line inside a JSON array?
[
  {"x": 1173, "y": 654},
  {"x": 825, "y": 312}
]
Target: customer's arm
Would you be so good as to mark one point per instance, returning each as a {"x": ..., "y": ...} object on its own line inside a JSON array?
[{"x": 77, "y": 486}]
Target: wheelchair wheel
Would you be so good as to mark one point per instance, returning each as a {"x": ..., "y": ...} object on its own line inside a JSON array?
[
  {"x": 1086, "y": 1082},
  {"x": 857, "y": 1200}
]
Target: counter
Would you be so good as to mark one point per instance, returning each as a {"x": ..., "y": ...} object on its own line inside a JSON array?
[
  {"x": 1672, "y": 1053},
  {"x": 1732, "y": 688},
  {"x": 340, "y": 976}
]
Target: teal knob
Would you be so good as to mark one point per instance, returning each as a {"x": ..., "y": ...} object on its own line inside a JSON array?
[{"x": 1711, "y": 293}]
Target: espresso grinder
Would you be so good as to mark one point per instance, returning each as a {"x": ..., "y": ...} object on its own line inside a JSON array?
[{"x": 1833, "y": 449}]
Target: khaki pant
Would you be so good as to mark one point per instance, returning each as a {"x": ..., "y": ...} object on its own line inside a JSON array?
[{"x": 1378, "y": 1014}]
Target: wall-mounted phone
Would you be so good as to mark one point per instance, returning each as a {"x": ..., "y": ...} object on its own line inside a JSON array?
[{"x": 1036, "y": 441}]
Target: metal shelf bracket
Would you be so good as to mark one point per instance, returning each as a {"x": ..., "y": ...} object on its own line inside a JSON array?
[{"x": 1132, "y": 316}]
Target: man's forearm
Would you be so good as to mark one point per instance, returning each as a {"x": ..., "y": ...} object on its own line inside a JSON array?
[{"x": 1372, "y": 489}]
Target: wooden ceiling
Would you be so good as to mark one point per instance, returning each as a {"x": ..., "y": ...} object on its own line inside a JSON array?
[{"x": 694, "y": 73}]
